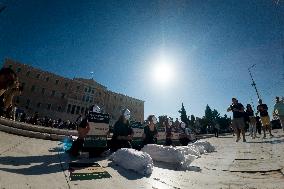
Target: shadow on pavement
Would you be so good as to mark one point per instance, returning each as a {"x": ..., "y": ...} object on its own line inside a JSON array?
[
  {"x": 129, "y": 174},
  {"x": 268, "y": 142}
]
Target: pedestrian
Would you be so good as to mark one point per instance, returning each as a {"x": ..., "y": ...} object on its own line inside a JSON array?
[
  {"x": 238, "y": 122},
  {"x": 264, "y": 117},
  {"x": 251, "y": 121},
  {"x": 184, "y": 137},
  {"x": 216, "y": 129},
  {"x": 258, "y": 124},
  {"x": 279, "y": 111},
  {"x": 122, "y": 132}
]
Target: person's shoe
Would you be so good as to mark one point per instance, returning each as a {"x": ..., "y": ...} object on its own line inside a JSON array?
[{"x": 238, "y": 139}]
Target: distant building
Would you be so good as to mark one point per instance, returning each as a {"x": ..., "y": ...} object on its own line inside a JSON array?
[{"x": 58, "y": 97}]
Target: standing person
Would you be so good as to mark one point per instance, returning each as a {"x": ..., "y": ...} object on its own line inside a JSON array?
[
  {"x": 150, "y": 131},
  {"x": 169, "y": 134},
  {"x": 122, "y": 132},
  {"x": 238, "y": 122},
  {"x": 264, "y": 117},
  {"x": 252, "y": 121},
  {"x": 216, "y": 129},
  {"x": 258, "y": 124},
  {"x": 7, "y": 79},
  {"x": 279, "y": 111}
]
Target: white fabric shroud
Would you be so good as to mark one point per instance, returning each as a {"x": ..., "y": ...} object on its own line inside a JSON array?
[
  {"x": 182, "y": 155},
  {"x": 132, "y": 159}
]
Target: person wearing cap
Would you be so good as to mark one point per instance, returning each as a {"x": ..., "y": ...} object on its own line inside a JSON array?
[
  {"x": 150, "y": 131},
  {"x": 279, "y": 111},
  {"x": 264, "y": 117},
  {"x": 238, "y": 122},
  {"x": 122, "y": 132},
  {"x": 251, "y": 120}
]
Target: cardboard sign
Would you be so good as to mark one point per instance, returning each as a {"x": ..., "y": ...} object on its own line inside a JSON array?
[{"x": 99, "y": 128}]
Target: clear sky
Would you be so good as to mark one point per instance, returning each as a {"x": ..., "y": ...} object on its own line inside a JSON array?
[{"x": 209, "y": 45}]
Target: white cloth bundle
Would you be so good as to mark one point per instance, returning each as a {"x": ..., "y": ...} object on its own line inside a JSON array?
[
  {"x": 132, "y": 159},
  {"x": 169, "y": 154},
  {"x": 204, "y": 146}
]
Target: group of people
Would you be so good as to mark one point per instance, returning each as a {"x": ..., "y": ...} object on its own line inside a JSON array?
[
  {"x": 242, "y": 116},
  {"x": 123, "y": 133}
]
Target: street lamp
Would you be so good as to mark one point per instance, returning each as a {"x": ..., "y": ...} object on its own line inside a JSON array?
[{"x": 253, "y": 82}]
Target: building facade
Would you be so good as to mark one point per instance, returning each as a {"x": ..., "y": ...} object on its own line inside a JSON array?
[{"x": 58, "y": 97}]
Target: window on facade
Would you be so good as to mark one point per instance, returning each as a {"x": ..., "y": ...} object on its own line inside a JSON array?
[
  {"x": 62, "y": 95},
  {"x": 78, "y": 87},
  {"x": 69, "y": 108},
  {"x": 59, "y": 108},
  {"x": 28, "y": 73},
  {"x": 38, "y": 75},
  {"x": 52, "y": 93},
  {"x": 89, "y": 89},
  {"x": 38, "y": 105},
  {"x": 18, "y": 70},
  {"x": 86, "y": 90},
  {"x": 78, "y": 110},
  {"x": 82, "y": 110},
  {"x": 33, "y": 88},
  {"x": 93, "y": 91},
  {"x": 66, "y": 84},
  {"x": 49, "y": 106},
  {"x": 73, "y": 109},
  {"x": 83, "y": 99},
  {"x": 42, "y": 90},
  {"x": 57, "y": 81},
  {"x": 28, "y": 102},
  {"x": 47, "y": 79},
  {"x": 87, "y": 99}
]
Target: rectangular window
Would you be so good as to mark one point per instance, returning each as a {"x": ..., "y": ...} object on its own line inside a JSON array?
[
  {"x": 59, "y": 108},
  {"x": 89, "y": 89},
  {"x": 57, "y": 81},
  {"x": 49, "y": 106},
  {"x": 62, "y": 95},
  {"x": 93, "y": 91},
  {"x": 33, "y": 88},
  {"x": 73, "y": 109},
  {"x": 52, "y": 93},
  {"x": 38, "y": 105},
  {"x": 86, "y": 90},
  {"x": 82, "y": 110},
  {"x": 78, "y": 110},
  {"x": 28, "y": 73},
  {"x": 78, "y": 87},
  {"x": 42, "y": 90},
  {"x": 83, "y": 99},
  {"x": 87, "y": 99},
  {"x": 66, "y": 84},
  {"x": 47, "y": 79},
  {"x": 69, "y": 108}
]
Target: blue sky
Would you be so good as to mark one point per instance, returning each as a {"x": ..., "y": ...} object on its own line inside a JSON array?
[{"x": 210, "y": 44}]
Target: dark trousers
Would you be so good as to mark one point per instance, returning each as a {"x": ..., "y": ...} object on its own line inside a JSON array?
[
  {"x": 216, "y": 132},
  {"x": 76, "y": 147}
]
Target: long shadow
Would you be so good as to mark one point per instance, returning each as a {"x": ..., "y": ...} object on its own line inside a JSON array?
[
  {"x": 129, "y": 174},
  {"x": 268, "y": 142},
  {"x": 175, "y": 167}
]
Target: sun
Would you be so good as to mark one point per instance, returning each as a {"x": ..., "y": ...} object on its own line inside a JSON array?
[{"x": 163, "y": 71}]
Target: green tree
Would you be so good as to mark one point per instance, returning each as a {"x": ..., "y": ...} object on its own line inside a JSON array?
[{"x": 183, "y": 116}]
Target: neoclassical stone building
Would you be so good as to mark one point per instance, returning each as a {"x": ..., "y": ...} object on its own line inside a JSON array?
[{"x": 59, "y": 97}]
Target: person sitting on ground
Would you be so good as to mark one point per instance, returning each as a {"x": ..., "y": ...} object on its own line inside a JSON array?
[
  {"x": 122, "y": 132},
  {"x": 184, "y": 137},
  {"x": 150, "y": 131},
  {"x": 169, "y": 134}
]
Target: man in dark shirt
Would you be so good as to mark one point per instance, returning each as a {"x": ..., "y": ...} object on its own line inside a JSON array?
[
  {"x": 238, "y": 122},
  {"x": 264, "y": 117}
]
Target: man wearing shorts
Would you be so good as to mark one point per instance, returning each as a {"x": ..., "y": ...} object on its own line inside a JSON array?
[
  {"x": 264, "y": 117},
  {"x": 238, "y": 122}
]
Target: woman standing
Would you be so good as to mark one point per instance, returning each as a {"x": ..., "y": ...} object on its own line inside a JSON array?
[
  {"x": 252, "y": 121},
  {"x": 150, "y": 131},
  {"x": 122, "y": 132}
]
